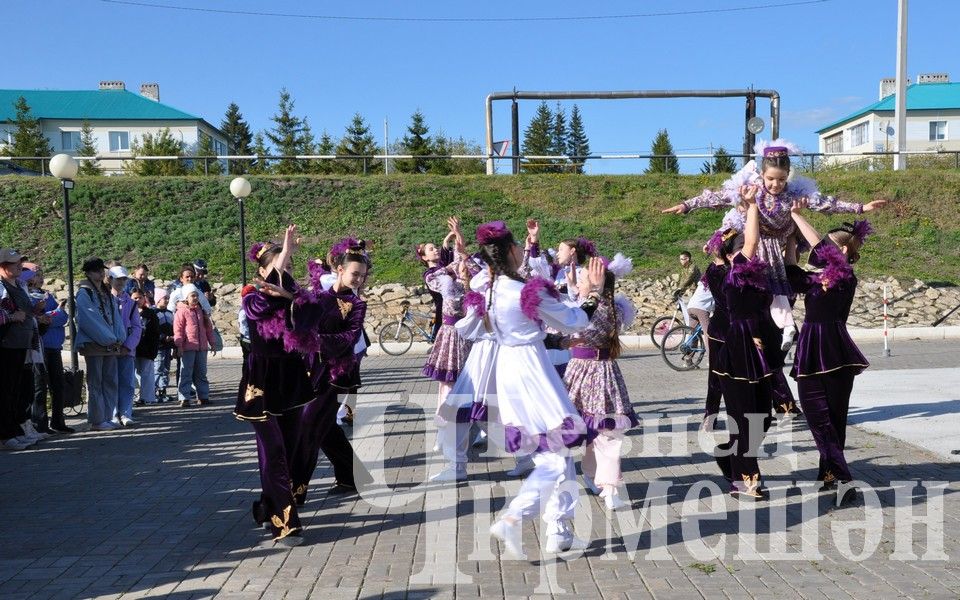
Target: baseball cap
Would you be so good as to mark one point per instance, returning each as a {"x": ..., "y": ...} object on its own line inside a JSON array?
[
  {"x": 10, "y": 255},
  {"x": 200, "y": 265},
  {"x": 118, "y": 272}
]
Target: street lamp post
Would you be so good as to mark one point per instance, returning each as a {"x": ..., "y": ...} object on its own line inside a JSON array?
[
  {"x": 64, "y": 167},
  {"x": 240, "y": 188}
]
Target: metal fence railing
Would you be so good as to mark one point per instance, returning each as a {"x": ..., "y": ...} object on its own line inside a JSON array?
[{"x": 475, "y": 163}]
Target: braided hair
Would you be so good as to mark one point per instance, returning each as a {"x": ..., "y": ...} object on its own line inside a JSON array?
[
  {"x": 609, "y": 286},
  {"x": 496, "y": 255}
]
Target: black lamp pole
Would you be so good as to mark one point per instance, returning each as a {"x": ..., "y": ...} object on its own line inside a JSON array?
[
  {"x": 71, "y": 300},
  {"x": 243, "y": 244}
]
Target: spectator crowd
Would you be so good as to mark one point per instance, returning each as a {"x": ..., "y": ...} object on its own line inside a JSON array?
[{"x": 130, "y": 332}]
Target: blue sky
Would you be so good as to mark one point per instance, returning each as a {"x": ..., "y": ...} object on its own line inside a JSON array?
[{"x": 825, "y": 59}]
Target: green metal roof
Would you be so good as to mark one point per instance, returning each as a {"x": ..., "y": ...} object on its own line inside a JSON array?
[
  {"x": 89, "y": 104},
  {"x": 920, "y": 96}
]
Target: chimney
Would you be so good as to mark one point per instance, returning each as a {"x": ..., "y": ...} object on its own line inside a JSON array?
[
  {"x": 112, "y": 85},
  {"x": 888, "y": 86},
  {"x": 933, "y": 78},
  {"x": 151, "y": 91}
]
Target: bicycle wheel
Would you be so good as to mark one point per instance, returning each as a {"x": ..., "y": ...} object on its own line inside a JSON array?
[
  {"x": 682, "y": 350},
  {"x": 395, "y": 338},
  {"x": 660, "y": 327}
]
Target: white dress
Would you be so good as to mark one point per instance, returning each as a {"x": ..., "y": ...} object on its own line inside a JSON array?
[{"x": 533, "y": 404}]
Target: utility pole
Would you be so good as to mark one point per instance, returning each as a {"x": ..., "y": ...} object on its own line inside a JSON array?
[
  {"x": 386, "y": 146},
  {"x": 900, "y": 113}
]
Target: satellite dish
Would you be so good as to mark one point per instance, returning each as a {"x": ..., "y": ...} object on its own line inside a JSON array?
[
  {"x": 889, "y": 130},
  {"x": 755, "y": 125}
]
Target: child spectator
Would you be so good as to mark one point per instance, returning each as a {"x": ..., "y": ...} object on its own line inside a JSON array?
[
  {"x": 147, "y": 349},
  {"x": 52, "y": 340},
  {"x": 193, "y": 335},
  {"x": 161, "y": 365}
]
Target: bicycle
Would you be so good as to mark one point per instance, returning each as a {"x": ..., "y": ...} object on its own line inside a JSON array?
[
  {"x": 396, "y": 337},
  {"x": 665, "y": 323},
  {"x": 683, "y": 347}
]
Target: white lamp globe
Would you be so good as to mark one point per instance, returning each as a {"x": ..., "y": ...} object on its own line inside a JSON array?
[
  {"x": 64, "y": 166},
  {"x": 240, "y": 188}
]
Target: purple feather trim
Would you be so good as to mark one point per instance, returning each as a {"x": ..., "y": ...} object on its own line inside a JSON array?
[
  {"x": 305, "y": 342},
  {"x": 253, "y": 254},
  {"x": 476, "y": 301},
  {"x": 836, "y": 269},
  {"x": 273, "y": 327},
  {"x": 752, "y": 273},
  {"x": 488, "y": 233},
  {"x": 861, "y": 229},
  {"x": 344, "y": 245},
  {"x": 588, "y": 247},
  {"x": 315, "y": 271},
  {"x": 715, "y": 242},
  {"x": 530, "y": 296}
]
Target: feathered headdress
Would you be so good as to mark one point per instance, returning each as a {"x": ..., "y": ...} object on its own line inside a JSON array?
[
  {"x": 620, "y": 266},
  {"x": 493, "y": 231},
  {"x": 257, "y": 250},
  {"x": 626, "y": 309},
  {"x": 859, "y": 229},
  {"x": 719, "y": 238},
  {"x": 587, "y": 246},
  {"x": 836, "y": 267}
]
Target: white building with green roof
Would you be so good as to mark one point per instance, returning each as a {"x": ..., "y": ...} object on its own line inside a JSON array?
[
  {"x": 118, "y": 118},
  {"x": 933, "y": 121}
]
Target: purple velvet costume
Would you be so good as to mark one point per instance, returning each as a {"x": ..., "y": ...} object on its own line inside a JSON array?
[
  {"x": 713, "y": 278},
  {"x": 826, "y": 362},
  {"x": 749, "y": 357},
  {"x": 272, "y": 390},
  {"x": 336, "y": 323}
]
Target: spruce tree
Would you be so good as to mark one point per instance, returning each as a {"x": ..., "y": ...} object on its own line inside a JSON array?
[
  {"x": 160, "y": 144},
  {"x": 287, "y": 135},
  {"x": 88, "y": 147},
  {"x": 577, "y": 142},
  {"x": 441, "y": 147},
  {"x": 211, "y": 166},
  {"x": 325, "y": 147},
  {"x": 358, "y": 141},
  {"x": 28, "y": 139},
  {"x": 722, "y": 163},
  {"x": 667, "y": 163},
  {"x": 260, "y": 149},
  {"x": 239, "y": 138},
  {"x": 559, "y": 139},
  {"x": 417, "y": 143},
  {"x": 538, "y": 139}
]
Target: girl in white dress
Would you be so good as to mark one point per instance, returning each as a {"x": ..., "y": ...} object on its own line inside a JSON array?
[{"x": 537, "y": 414}]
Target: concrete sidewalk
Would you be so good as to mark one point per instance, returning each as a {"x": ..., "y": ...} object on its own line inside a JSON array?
[{"x": 163, "y": 510}]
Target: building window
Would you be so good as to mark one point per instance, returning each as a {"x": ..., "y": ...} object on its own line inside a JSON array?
[
  {"x": 859, "y": 135},
  {"x": 938, "y": 131},
  {"x": 834, "y": 143},
  {"x": 219, "y": 148},
  {"x": 69, "y": 140},
  {"x": 119, "y": 140}
]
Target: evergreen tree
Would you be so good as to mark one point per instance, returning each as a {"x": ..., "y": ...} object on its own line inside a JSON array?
[
  {"x": 161, "y": 144},
  {"x": 308, "y": 147},
  {"x": 559, "y": 139},
  {"x": 577, "y": 142},
  {"x": 663, "y": 148},
  {"x": 417, "y": 143},
  {"x": 286, "y": 135},
  {"x": 239, "y": 138},
  {"x": 261, "y": 165},
  {"x": 538, "y": 139},
  {"x": 721, "y": 163},
  {"x": 210, "y": 166},
  {"x": 88, "y": 147},
  {"x": 28, "y": 139},
  {"x": 325, "y": 147},
  {"x": 358, "y": 141}
]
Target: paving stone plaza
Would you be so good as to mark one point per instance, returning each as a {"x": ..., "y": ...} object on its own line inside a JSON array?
[{"x": 163, "y": 510}]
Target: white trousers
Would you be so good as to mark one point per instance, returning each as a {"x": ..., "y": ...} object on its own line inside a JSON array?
[
  {"x": 552, "y": 487},
  {"x": 781, "y": 312},
  {"x": 601, "y": 461}
]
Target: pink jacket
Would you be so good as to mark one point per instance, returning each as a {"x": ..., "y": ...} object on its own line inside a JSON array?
[{"x": 192, "y": 329}]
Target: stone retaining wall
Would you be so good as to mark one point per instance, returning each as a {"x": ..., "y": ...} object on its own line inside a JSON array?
[{"x": 911, "y": 303}]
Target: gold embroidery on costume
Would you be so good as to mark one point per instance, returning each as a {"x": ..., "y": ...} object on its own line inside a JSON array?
[
  {"x": 252, "y": 393},
  {"x": 751, "y": 482},
  {"x": 345, "y": 307},
  {"x": 301, "y": 490},
  {"x": 284, "y": 525},
  {"x": 829, "y": 477}
]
